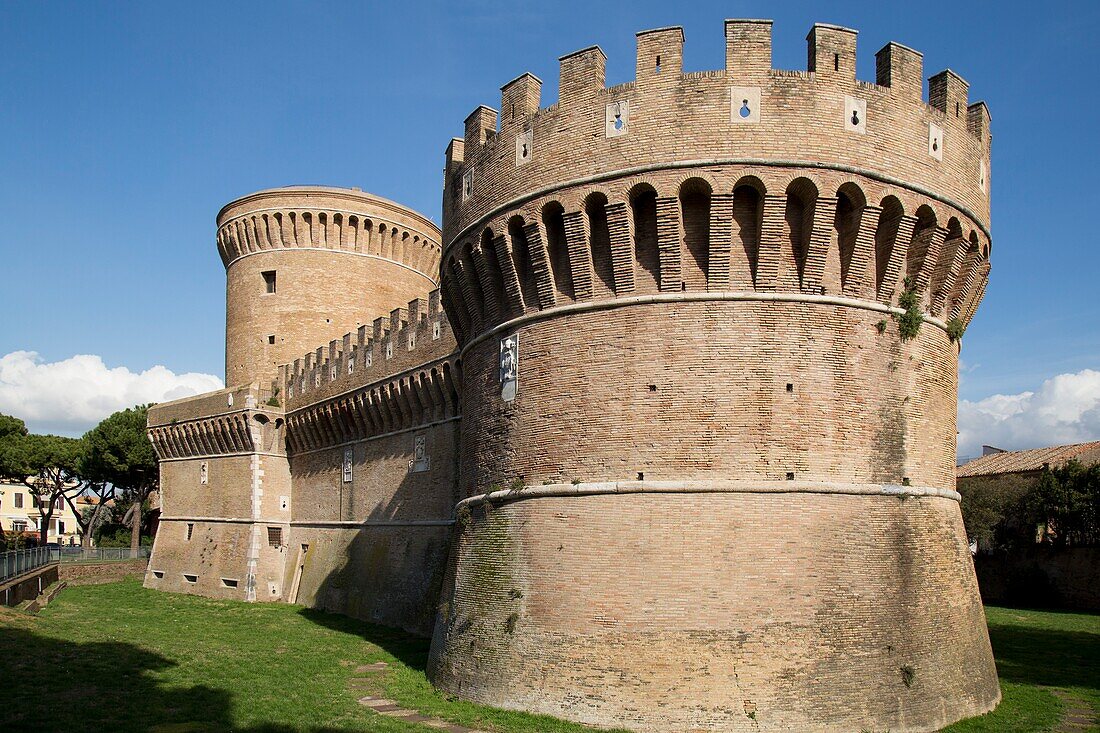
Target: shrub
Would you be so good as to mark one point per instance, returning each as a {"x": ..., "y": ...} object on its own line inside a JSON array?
[
  {"x": 910, "y": 321},
  {"x": 955, "y": 329}
]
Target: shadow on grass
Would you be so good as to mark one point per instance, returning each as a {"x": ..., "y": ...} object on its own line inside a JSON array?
[
  {"x": 56, "y": 685},
  {"x": 1049, "y": 657},
  {"x": 410, "y": 650}
]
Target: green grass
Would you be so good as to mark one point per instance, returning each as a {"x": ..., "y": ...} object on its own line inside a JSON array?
[
  {"x": 118, "y": 657},
  {"x": 1038, "y": 653}
]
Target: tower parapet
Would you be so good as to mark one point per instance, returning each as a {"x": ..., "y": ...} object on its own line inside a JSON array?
[
  {"x": 746, "y": 114},
  {"x": 308, "y": 263},
  {"x": 708, "y": 327}
]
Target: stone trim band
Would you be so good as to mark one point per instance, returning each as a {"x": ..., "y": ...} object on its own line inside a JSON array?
[
  {"x": 318, "y": 523},
  {"x": 718, "y": 486},
  {"x": 688, "y": 297}
]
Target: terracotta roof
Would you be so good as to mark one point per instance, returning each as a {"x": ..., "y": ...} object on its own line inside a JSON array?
[{"x": 1020, "y": 461}]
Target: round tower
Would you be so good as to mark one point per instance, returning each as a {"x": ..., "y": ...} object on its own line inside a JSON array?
[
  {"x": 307, "y": 264},
  {"x": 709, "y": 330}
]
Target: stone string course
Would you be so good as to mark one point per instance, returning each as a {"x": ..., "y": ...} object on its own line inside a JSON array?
[{"x": 722, "y": 497}]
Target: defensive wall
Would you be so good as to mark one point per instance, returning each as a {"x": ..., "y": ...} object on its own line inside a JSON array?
[{"x": 707, "y": 484}]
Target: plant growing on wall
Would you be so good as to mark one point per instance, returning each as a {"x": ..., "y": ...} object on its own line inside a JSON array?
[
  {"x": 955, "y": 328},
  {"x": 910, "y": 321}
]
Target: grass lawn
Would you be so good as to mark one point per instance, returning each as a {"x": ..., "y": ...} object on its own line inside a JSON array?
[
  {"x": 1039, "y": 654},
  {"x": 116, "y": 657}
]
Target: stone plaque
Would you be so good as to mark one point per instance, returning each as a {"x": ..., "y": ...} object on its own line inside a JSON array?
[
  {"x": 617, "y": 119},
  {"x": 523, "y": 147},
  {"x": 509, "y": 367},
  {"x": 421, "y": 461},
  {"x": 935, "y": 141},
  {"x": 855, "y": 115},
  {"x": 745, "y": 105}
]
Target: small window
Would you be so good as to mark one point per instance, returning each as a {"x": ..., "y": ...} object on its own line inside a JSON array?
[
  {"x": 190, "y": 578},
  {"x": 190, "y": 530},
  {"x": 35, "y": 502},
  {"x": 158, "y": 573},
  {"x": 229, "y": 582},
  {"x": 18, "y": 526},
  {"x": 271, "y": 339},
  {"x": 60, "y": 527},
  {"x": 269, "y": 281},
  {"x": 18, "y": 501},
  {"x": 275, "y": 536}
]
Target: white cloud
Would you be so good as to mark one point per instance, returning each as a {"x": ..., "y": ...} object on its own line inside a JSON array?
[
  {"x": 1064, "y": 409},
  {"x": 71, "y": 396}
]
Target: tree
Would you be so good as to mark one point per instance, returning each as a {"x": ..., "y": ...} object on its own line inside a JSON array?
[
  {"x": 10, "y": 429},
  {"x": 48, "y": 465},
  {"x": 118, "y": 453},
  {"x": 88, "y": 518},
  {"x": 1066, "y": 503}
]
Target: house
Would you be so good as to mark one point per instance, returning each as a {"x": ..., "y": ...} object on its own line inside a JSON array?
[{"x": 19, "y": 513}]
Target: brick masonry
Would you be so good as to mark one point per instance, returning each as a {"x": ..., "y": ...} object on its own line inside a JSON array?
[{"x": 718, "y": 491}]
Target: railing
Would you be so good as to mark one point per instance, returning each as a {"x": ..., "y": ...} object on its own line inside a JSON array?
[
  {"x": 103, "y": 554},
  {"x": 18, "y": 562}
]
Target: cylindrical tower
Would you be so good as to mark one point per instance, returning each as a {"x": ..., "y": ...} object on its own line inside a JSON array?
[
  {"x": 709, "y": 332},
  {"x": 307, "y": 264}
]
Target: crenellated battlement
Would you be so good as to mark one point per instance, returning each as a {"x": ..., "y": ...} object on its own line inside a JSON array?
[
  {"x": 743, "y": 180},
  {"x": 407, "y": 338},
  {"x": 339, "y": 220},
  {"x": 666, "y": 117}
]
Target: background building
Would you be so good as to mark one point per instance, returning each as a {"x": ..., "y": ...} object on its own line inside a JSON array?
[{"x": 19, "y": 515}]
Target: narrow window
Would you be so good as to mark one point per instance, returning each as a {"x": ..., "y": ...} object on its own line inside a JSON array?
[
  {"x": 271, "y": 339},
  {"x": 229, "y": 582},
  {"x": 60, "y": 527},
  {"x": 275, "y": 536},
  {"x": 269, "y": 281},
  {"x": 190, "y": 578},
  {"x": 35, "y": 501},
  {"x": 836, "y": 62},
  {"x": 190, "y": 530},
  {"x": 18, "y": 501},
  {"x": 658, "y": 63}
]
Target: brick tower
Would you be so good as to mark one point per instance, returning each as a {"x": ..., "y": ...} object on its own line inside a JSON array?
[
  {"x": 708, "y": 333},
  {"x": 306, "y": 264}
]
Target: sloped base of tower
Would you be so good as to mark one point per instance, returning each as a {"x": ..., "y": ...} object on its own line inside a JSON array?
[{"x": 718, "y": 610}]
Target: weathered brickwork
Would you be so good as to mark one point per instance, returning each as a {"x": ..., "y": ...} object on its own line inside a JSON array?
[
  {"x": 719, "y": 611},
  {"x": 339, "y": 258},
  {"x": 641, "y": 439},
  {"x": 712, "y": 377}
]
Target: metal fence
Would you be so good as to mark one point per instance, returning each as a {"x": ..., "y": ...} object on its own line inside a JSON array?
[
  {"x": 18, "y": 562},
  {"x": 102, "y": 554}
]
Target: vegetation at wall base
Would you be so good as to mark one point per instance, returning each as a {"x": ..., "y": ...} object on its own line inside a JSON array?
[{"x": 143, "y": 660}]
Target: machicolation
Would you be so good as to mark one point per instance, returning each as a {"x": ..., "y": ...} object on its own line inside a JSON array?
[{"x": 657, "y": 433}]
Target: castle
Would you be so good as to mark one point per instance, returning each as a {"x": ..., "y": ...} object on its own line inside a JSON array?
[{"x": 658, "y": 432}]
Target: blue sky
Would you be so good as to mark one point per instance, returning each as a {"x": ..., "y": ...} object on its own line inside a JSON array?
[{"x": 127, "y": 125}]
